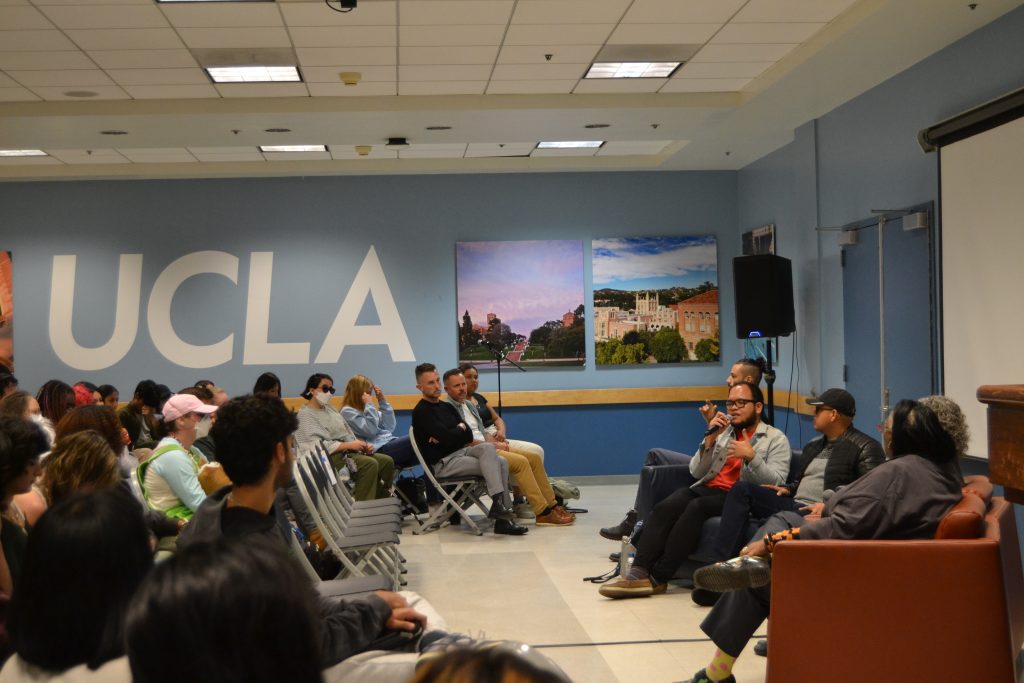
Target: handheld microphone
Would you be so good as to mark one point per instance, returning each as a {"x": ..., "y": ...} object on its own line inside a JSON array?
[{"x": 710, "y": 431}]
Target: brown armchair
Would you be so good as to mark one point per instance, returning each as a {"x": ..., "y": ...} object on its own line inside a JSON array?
[{"x": 948, "y": 609}]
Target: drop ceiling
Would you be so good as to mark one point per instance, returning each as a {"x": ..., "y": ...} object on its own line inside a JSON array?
[{"x": 492, "y": 78}]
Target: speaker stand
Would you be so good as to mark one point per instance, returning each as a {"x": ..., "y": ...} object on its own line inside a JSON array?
[{"x": 769, "y": 380}]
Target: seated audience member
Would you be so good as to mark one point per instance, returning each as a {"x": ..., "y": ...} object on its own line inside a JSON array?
[
  {"x": 83, "y": 394},
  {"x": 8, "y": 383},
  {"x": 203, "y": 441},
  {"x": 220, "y": 396},
  {"x": 137, "y": 415},
  {"x": 904, "y": 498},
  {"x": 55, "y": 399},
  {"x": 493, "y": 424},
  {"x": 109, "y": 395},
  {"x": 21, "y": 444},
  {"x": 445, "y": 442},
  {"x": 744, "y": 370},
  {"x": 81, "y": 462},
  {"x": 23, "y": 405},
  {"x": 205, "y": 384},
  {"x": 526, "y": 469},
  {"x": 840, "y": 456},
  {"x": 320, "y": 423},
  {"x": 492, "y": 662},
  {"x": 170, "y": 477},
  {"x": 104, "y": 421},
  {"x": 375, "y": 424},
  {"x": 258, "y": 453},
  {"x": 237, "y": 610},
  {"x": 741, "y": 447},
  {"x": 84, "y": 561},
  {"x": 267, "y": 383},
  {"x": 953, "y": 422}
]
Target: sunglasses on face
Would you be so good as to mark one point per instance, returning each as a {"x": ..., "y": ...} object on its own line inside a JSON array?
[{"x": 329, "y": 390}]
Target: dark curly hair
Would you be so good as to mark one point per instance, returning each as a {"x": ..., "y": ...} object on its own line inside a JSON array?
[
  {"x": 916, "y": 430},
  {"x": 55, "y": 399},
  {"x": 247, "y": 431},
  {"x": 21, "y": 442},
  {"x": 99, "y": 418}
]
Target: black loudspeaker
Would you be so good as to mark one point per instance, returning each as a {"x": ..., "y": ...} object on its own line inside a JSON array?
[{"x": 763, "y": 287}]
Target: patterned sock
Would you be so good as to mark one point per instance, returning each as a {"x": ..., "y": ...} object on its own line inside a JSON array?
[{"x": 720, "y": 667}]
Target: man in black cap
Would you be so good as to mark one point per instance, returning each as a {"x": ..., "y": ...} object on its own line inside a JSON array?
[{"x": 838, "y": 457}]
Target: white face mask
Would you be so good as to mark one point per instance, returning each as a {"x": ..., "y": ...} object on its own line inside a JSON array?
[
  {"x": 203, "y": 427},
  {"x": 323, "y": 398},
  {"x": 38, "y": 419}
]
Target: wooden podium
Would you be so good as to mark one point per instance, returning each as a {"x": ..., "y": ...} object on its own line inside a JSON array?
[{"x": 1005, "y": 437}]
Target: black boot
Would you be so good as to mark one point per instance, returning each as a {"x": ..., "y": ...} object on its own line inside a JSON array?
[
  {"x": 500, "y": 508},
  {"x": 624, "y": 528},
  {"x": 508, "y": 528}
]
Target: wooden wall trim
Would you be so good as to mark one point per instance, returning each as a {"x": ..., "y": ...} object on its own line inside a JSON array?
[{"x": 590, "y": 397}]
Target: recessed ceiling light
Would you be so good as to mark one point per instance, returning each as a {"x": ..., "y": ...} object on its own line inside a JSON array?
[
  {"x": 570, "y": 144},
  {"x": 293, "y": 148},
  {"x": 277, "y": 130},
  {"x": 598, "y": 125},
  {"x": 113, "y": 132},
  {"x": 439, "y": 127},
  {"x": 254, "y": 74},
  {"x": 632, "y": 69},
  {"x": 80, "y": 93},
  {"x": 23, "y": 153}
]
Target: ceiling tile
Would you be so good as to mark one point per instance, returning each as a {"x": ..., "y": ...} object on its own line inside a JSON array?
[
  {"x": 723, "y": 69},
  {"x": 349, "y": 152},
  {"x": 562, "y": 54},
  {"x": 456, "y": 12},
  {"x": 447, "y": 55},
  {"x": 742, "y": 53},
  {"x": 125, "y": 38},
  {"x": 297, "y": 156},
  {"x": 99, "y": 16},
  {"x": 705, "y": 85},
  {"x": 344, "y": 36},
  {"x": 619, "y": 85},
  {"x": 558, "y": 34},
  {"x": 45, "y": 60},
  {"x": 87, "y": 156},
  {"x": 629, "y": 147},
  {"x": 450, "y": 35},
  {"x": 235, "y": 37},
  {"x": 447, "y": 72},
  {"x": 23, "y": 18},
  {"x": 35, "y": 40},
  {"x": 544, "y": 87},
  {"x": 365, "y": 88},
  {"x": 793, "y": 10},
  {"x": 59, "y": 77},
  {"x": 143, "y": 59},
  {"x": 329, "y": 74},
  {"x": 158, "y": 76},
  {"x": 172, "y": 92},
  {"x": 7, "y": 82},
  {"x": 222, "y": 14},
  {"x": 765, "y": 33},
  {"x": 29, "y": 161},
  {"x": 663, "y": 34},
  {"x": 569, "y": 11},
  {"x": 103, "y": 92},
  {"x": 527, "y": 72},
  {"x": 350, "y": 56},
  {"x": 154, "y": 155},
  {"x": 318, "y": 14},
  {"x": 682, "y": 11},
  {"x": 213, "y": 157},
  {"x": 414, "y": 152},
  {"x": 564, "y": 152},
  {"x": 17, "y": 95},
  {"x": 250, "y": 149},
  {"x": 442, "y": 88},
  {"x": 499, "y": 149},
  {"x": 263, "y": 89}
]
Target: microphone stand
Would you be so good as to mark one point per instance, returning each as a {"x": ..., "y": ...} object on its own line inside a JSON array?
[
  {"x": 499, "y": 355},
  {"x": 769, "y": 380}
]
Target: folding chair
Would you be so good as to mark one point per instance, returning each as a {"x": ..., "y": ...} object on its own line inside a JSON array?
[
  {"x": 350, "y": 513},
  {"x": 338, "y": 588},
  {"x": 465, "y": 492}
]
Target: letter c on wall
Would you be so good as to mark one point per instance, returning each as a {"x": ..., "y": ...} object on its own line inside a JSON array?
[{"x": 165, "y": 339}]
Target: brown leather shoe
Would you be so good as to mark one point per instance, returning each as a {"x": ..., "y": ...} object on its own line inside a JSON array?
[
  {"x": 555, "y": 518},
  {"x": 561, "y": 508},
  {"x": 632, "y": 588}
]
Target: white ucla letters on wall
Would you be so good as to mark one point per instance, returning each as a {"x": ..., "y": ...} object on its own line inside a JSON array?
[{"x": 257, "y": 348}]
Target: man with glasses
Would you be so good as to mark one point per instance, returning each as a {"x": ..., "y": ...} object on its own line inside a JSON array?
[{"x": 738, "y": 446}]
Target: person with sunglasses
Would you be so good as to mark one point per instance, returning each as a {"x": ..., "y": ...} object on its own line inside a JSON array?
[
  {"x": 321, "y": 423},
  {"x": 737, "y": 446}
]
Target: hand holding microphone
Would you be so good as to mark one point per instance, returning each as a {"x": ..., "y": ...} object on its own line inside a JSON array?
[{"x": 719, "y": 422}]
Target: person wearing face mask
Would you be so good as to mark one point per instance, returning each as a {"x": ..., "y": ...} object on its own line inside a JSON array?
[
  {"x": 170, "y": 477},
  {"x": 204, "y": 442},
  {"x": 321, "y": 423}
]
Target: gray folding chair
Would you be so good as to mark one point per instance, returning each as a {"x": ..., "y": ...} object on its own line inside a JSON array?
[{"x": 465, "y": 492}]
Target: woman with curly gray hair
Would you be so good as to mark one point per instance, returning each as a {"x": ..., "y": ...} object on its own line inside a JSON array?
[{"x": 952, "y": 419}]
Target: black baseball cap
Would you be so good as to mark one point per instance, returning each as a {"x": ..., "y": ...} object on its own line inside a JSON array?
[{"x": 840, "y": 399}]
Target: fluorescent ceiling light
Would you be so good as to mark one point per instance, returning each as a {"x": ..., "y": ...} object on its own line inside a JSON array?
[
  {"x": 632, "y": 69},
  {"x": 253, "y": 74},
  {"x": 570, "y": 144},
  {"x": 22, "y": 153},
  {"x": 293, "y": 148}
]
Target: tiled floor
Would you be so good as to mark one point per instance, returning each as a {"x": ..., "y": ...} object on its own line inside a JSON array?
[{"x": 530, "y": 588}]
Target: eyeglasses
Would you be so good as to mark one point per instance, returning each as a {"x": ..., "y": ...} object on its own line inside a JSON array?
[
  {"x": 330, "y": 390},
  {"x": 738, "y": 403}
]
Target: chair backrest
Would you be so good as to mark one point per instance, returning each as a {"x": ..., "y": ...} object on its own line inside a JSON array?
[{"x": 423, "y": 463}]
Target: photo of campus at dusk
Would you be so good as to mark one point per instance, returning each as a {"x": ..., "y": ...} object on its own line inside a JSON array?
[
  {"x": 522, "y": 301},
  {"x": 655, "y": 300}
]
